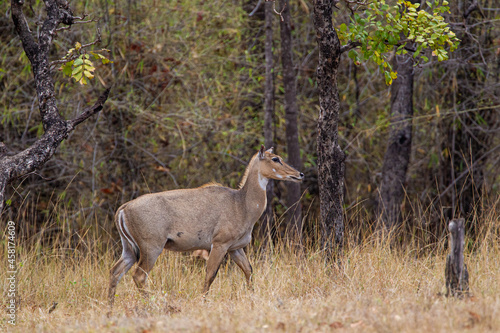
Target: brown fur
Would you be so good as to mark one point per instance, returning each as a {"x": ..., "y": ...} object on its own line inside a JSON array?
[
  {"x": 210, "y": 184},
  {"x": 245, "y": 175},
  {"x": 202, "y": 254},
  {"x": 211, "y": 217}
]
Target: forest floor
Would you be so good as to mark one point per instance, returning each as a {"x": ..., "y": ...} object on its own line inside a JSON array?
[{"x": 379, "y": 289}]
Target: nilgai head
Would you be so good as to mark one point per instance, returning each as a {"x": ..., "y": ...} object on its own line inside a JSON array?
[{"x": 272, "y": 166}]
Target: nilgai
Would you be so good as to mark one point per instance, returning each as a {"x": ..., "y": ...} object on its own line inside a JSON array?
[{"x": 211, "y": 217}]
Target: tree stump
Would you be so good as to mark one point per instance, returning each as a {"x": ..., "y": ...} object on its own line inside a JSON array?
[{"x": 456, "y": 274}]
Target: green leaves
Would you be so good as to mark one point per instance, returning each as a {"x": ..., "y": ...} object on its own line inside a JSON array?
[
  {"x": 383, "y": 28},
  {"x": 81, "y": 68},
  {"x": 389, "y": 76},
  {"x": 99, "y": 56}
]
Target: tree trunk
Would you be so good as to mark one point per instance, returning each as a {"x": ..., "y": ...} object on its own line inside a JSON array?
[
  {"x": 56, "y": 128},
  {"x": 3, "y": 184},
  {"x": 397, "y": 155},
  {"x": 294, "y": 215},
  {"x": 456, "y": 274},
  {"x": 267, "y": 219},
  {"x": 330, "y": 155}
]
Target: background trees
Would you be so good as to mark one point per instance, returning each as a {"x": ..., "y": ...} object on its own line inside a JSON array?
[
  {"x": 269, "y": 91},
  {"x": 294, "y": 228},
  {"x": 472, "y": 96},
  {"x": 187, "y": 109}
]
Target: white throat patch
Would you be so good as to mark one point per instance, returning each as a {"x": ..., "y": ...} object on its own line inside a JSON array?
[
  {"x": 279, "y": 176},
  {"x": 263, "y": 182}
]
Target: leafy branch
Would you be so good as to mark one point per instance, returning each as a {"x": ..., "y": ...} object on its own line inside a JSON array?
[
  {"x": 77, "y": 63},
  {"x": 382, "y": 28}
]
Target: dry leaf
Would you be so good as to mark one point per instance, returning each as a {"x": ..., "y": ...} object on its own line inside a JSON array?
[
  {"x": 162, "y": 169},
  {"x": 280, "y": 326},
  {"x": 337, "y": 324},
  {"x": 474, "y": 317}
]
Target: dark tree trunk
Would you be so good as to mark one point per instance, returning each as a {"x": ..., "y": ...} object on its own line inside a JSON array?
[
  {"x": 330, "y": 155},
  {"x": 294, "y": 216},
  {"x": 456, "y": 274},
  {"x": 268, "y": 115},
  {"x": 3, "y": 184},
  {"x": 56, "y": 128},
  {"x": 397, "y": 155}
]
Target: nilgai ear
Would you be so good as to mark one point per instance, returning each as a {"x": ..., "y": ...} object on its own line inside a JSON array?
[
  {"x": 270, "y": 150},
  {"x": 261, "y": 152}
]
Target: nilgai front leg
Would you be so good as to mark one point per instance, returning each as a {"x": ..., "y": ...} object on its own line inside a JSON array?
[
  {"x": 214, "y": 260},
  {"x": 241, "y": 260}
]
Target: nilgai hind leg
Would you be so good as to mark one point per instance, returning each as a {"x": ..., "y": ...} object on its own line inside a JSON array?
[
  {"x": 122, "y": 266},
  {"x": 241, "y": 260},
  {"x": 145, "y": 265}
]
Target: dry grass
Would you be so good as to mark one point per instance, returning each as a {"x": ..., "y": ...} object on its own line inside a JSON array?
[{"x": 378, "y": 289}]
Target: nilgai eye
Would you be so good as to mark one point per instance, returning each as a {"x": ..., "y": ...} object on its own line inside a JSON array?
[{"x": 275, "y": 159}]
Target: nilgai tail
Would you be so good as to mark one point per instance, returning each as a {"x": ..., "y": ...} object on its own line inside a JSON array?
[{"x": 212, "y": 218}]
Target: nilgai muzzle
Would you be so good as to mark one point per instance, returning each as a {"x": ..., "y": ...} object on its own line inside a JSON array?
[{"x": 210, "y": 217}]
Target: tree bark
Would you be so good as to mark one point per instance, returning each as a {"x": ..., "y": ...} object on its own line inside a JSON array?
[
  {"x": 330, "y": 155},
  {"x": 3, "y": 184},
  {"x": 397, "y": 155},
  {"x": 56, "y": 128},
  {"x": 456, "y": 274},
  {"x": 294, "y": 215},
  {"x": 266, "y": 225}
]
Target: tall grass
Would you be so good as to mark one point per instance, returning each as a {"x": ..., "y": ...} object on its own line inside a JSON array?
[{"x": 379, "y": 287}]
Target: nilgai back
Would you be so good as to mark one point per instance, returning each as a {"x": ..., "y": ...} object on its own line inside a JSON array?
[{"x": 211, "y": 217}]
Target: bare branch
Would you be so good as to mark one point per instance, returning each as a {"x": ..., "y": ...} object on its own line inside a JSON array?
[
  {"x": 255, "y": 9},
  {"x": 63, "y": 61},
  {"x": 98, "y": 39},
  {"x": 90, "y": 111},
  {"x": 349, "y": 46},
  {"x": 23, "y": 30},
  {"x": 280, "y": 14},
  {"x": 473, "y": 6},
  {"x": 76, "y": 22},
  {"x": 406, "y": 47},
  {"x": 354, "y": 2},
  {"x": 351, "y": 4},
  {"x": 81, "y": 18}
]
